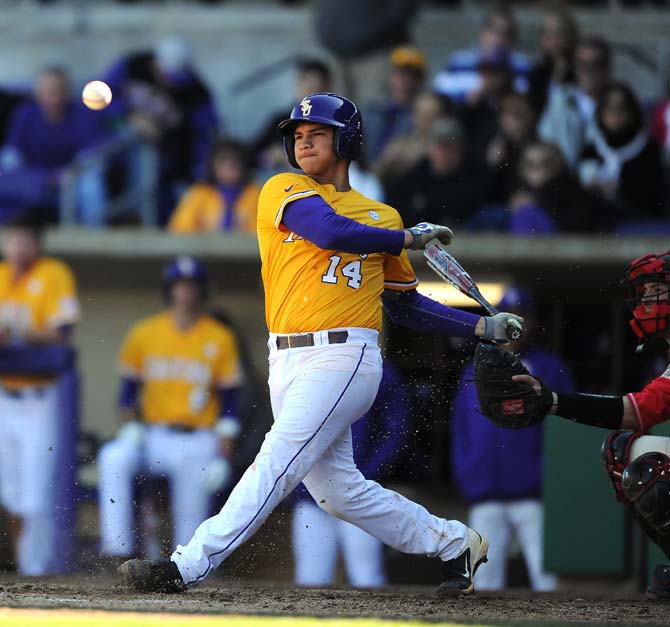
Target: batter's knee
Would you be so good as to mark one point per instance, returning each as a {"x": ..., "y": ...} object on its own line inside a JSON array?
[
  {"x": 326, "y": 497},
  {"x": 339, "y": 500}
]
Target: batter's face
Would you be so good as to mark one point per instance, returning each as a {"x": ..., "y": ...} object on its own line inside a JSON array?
[
  {"x": 20, "y": 248},
  {"x": 314, "y": 149}
]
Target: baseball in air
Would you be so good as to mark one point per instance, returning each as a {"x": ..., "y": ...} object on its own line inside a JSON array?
[{"x": 96, "y": 95}]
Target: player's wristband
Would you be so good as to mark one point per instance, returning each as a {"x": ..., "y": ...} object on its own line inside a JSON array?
[
  {"x": 228, "y": 427},
  {"x": 591, "y": 409}
]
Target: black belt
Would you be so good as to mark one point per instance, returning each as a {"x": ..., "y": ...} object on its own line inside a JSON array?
[
  {"x": 21, "y": 393},
  {"x": 307, "y": 339},
  {"x": 182, "y": 428}
]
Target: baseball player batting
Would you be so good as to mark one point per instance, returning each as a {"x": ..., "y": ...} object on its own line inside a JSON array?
[
  {"x": 330, "y": 258},
  {"x": 638, "y": 465}
]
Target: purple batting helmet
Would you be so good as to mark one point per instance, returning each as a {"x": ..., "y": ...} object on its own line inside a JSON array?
[
  {"x": 332, "y": 110},
  {"x": 185, "y": 268}
]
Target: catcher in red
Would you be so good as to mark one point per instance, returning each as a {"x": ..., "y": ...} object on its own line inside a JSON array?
[{"x": 638, "y": 465}]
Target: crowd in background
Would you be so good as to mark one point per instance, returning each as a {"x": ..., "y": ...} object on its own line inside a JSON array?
[{"x": 496, "y": 140}]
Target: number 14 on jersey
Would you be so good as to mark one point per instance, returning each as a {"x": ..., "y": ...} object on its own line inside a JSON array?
[{"x": 350, "y": 271}]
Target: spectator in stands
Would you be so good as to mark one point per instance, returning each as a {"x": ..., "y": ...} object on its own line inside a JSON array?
[
  {"x": 359, "y": 35},
  {"x": 548, "y": 197},
  {"x": 558, "y": 39},
  {"x": 163, "y": 99},
  {"x": 225, "y": 201},
  {"x": 621, "y": 163},
  {"x": 9, "y": 100},
  {"x": 312, "y": 76},
  {"x": 499, "y": 471},
  {"x": 461, "y": 79},
  {"x": 448, "y": 185},
  {"x": 480, "y": 115},
  {"x": 378, "y": 439},
  {"x": 569, "y": 115},
  {"x": 405, "y": 151},
  {"x": 516, "y": 127},
  {"x": 44, "y": 136},
  {"x": 392, "y": 116},
  {"x": 365, "y": 181}
]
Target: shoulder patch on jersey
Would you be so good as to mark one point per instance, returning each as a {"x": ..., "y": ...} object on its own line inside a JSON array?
[
  {"x": 374, "y": 215},
  {"x": 210, "y": 350}
]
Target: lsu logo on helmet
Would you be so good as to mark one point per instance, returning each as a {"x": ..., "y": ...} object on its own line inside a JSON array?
[{"x": 306, "y": 106}]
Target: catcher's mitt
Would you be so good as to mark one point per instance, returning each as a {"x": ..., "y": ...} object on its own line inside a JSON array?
[{"x": 505, "y": 402}]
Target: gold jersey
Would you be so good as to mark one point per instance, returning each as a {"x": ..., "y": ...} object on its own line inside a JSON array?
[
  {"x": 179, "y": 370},
  {"x": 311, "y": 289},
  {"x": 43, "y": 297}
]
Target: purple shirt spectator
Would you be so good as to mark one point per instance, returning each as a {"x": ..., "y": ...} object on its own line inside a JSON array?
[
  {"x": 47, "y": 144},
  {"x": 161, "y": 97},
  {"x": 43, "y": 136},
  {"x": 172, "y": 106}
]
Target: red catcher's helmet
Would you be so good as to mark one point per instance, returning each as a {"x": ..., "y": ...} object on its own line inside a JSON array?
[{"x": 650, "y": 317}]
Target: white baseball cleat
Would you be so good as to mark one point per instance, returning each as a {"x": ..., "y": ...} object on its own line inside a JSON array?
[{"x": 459, "y": 573}]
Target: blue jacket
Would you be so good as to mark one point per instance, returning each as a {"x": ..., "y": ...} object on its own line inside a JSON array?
[
  {"x": 492, "y": 463},
  {"x": 381, "y": 434}
]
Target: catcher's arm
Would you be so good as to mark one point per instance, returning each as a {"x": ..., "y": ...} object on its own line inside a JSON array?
[{"x": 608, "y": 412}]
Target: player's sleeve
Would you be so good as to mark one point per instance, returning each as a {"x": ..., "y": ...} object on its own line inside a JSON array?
[
  {"x": 131, "y": 354},
  {"x": 398, "y": 271},
  {"x": 228, "y": 371},
  {"x": 652, "y": 405},
  {"x": 62, "y": 307},
  {"x": 277, "y": 194}
]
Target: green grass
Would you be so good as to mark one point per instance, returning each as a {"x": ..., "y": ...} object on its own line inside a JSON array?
[{"x": 89, "y": 618}]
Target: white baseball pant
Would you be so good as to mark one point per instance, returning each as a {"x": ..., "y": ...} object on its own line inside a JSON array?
[
  {"x": 317, "y": 392},
  {"x": 500, "y": 521},
  {"x": 317, "y": 540},
  {"x": 179, "y": 456},
  {"x": 28, "y": 453}
]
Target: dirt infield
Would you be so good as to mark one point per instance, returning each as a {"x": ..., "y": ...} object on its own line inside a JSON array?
[{"x": 417, "y": 603}]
